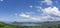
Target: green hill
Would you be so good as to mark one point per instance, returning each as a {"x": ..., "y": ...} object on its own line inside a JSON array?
[{"x": 45, "y": 25}]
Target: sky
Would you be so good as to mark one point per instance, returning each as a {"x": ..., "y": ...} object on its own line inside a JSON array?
[{"x": 29, "y": 10}]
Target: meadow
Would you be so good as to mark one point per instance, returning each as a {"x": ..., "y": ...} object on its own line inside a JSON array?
[{"x": 4, "y": 25}]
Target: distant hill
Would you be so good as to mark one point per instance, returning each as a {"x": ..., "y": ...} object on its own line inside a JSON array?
[
  {"x": 48, "y": 24},
  {"x": 35, "y": 23}
]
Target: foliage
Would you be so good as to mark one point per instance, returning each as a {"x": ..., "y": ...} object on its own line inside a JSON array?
[{"x": 4, "y": 25}]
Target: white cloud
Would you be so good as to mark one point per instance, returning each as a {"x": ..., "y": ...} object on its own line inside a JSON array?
[
  {"x": 48, "y": 2},
  {"x": 34, "y": 18},
  {"x": 30, "y": 13},
  {"x": 52, "y": 10},
  {"x": 30, "y": 6},
  {"x": 24, "y": 15},
  {"x": 1, "y": 0},
  {"x": 39, "y": 8},
  {"x": 50, "y": 14}
]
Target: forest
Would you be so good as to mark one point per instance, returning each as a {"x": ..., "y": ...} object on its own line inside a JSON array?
[{"x": 45, "y": 25}]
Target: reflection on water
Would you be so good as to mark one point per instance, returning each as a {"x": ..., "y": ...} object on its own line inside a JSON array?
[{"x": 28, "y": 24}]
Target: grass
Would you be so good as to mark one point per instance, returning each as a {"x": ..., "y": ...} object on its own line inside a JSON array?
[{"x": 4, "y": 25}]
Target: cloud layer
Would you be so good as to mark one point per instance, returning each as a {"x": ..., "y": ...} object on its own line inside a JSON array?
[{"x": 48, "y": 13}]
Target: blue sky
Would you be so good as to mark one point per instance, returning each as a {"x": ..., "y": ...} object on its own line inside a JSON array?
[{"x": 29, "y": 10}]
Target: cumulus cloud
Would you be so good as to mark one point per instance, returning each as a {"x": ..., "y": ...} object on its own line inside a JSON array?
[
  {"x": 49, "y": 14},
  {"x": 24, "y": 15},
  {"x": 39, "y": 8},
  {"x": 52, "y": 11},
  {"x": 48, "y": 2}
]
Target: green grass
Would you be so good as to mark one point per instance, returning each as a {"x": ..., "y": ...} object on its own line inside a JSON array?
[{"x": 3, "y": 25}]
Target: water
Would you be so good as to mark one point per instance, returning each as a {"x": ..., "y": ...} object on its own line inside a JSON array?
[
  {"x": 24, "y": 24},
  {"x": 30, "y": 24},
  {"x": 27, "y": 24}
]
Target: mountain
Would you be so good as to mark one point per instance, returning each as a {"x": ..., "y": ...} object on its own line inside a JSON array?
[
  {"x": 48, "y": 24},
  {"x": 35, "y": 23}
]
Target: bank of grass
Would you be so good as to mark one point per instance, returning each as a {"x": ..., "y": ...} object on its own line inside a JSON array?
[{"x": 4, "y": 25}]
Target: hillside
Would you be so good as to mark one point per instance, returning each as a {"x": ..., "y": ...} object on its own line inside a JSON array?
[{"x": 48, "y": 24}]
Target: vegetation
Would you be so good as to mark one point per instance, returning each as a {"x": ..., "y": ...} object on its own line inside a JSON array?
[{"x": 4, "y": 25}]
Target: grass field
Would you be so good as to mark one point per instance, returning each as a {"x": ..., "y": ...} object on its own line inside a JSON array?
[{"x": 3, "y": 25}]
